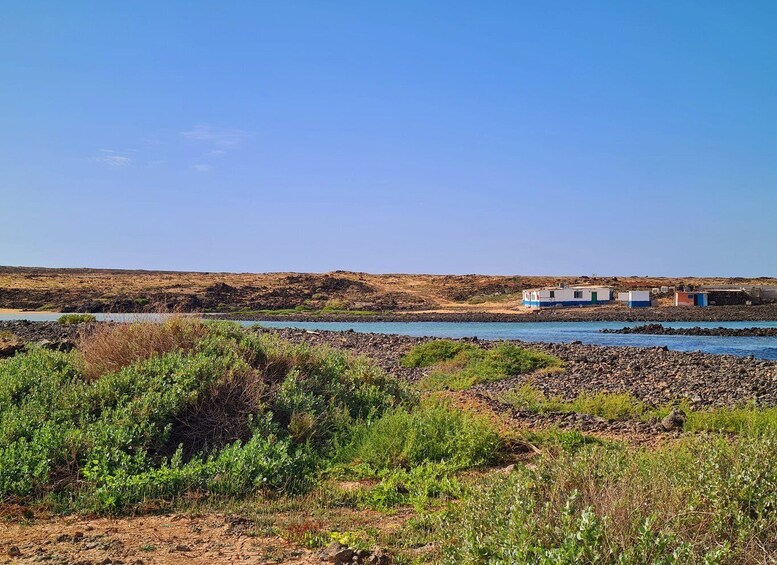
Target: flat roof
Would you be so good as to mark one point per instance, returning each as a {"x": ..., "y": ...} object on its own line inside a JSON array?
[{"x": 577, "y": 287}]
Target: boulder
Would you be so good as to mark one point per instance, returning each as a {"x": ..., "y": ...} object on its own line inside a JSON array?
[{"x": 675, "y": 420}]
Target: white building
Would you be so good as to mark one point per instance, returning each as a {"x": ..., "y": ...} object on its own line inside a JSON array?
[
  {"x": 566, "y": 296},
  {"x": 639, "y": 298}
]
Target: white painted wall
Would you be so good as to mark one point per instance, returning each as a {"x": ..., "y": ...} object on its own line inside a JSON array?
[
  {"x": 568, "y": 294},
  {"x": 623, "y": 297},
  {"x": 638, "y": 295}
]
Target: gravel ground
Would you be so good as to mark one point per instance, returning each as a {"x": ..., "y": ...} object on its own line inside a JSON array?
[{"x": 654, "y": 375}]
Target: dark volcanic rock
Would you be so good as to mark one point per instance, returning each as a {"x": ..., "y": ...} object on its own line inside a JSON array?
[
  {"x": 389, "y": 301},
  {"x": 654, "y": 375},
  {"x": 49, "y": 334},
  {"x": 675, "y": 420},
  {"x": 658, "y": 329}
]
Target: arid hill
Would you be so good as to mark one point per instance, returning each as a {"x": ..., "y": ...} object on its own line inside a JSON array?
[{"x": 107, "y": 290}]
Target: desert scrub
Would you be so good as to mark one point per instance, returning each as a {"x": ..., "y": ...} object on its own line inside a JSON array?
[
  {"x": 701, "y": 500},
  {"x": 611, "y": 406},
  {"x": 114, "y": 346},
  {"x": 433, "y": 352},
  {"x": 416, "y": 453},
  {"x": 436, "y": 431},
  {"x": 68, "y": 319},
  {"x": 748, "y": 419},
  {"x": 457, "y": 365},
  {"x": 223, "y": 411}
]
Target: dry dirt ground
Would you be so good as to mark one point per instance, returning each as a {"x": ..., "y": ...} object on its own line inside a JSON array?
[
  {"x": 173, "y": 538},
  {"x": 100, "y": 290}
]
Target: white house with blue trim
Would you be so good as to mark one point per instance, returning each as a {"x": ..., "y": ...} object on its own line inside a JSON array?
[
  {"x": 566, "y": 296},
  {"x": 639, "y": 298}
]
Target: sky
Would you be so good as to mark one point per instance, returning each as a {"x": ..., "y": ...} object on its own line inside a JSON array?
[{"x": 615, "y": 138}]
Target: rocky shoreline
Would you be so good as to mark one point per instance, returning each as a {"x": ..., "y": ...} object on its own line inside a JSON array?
[
  {"x": 52, "y": 335},
  {"x": 656, "y": 376},
  {"x": 756, "y": 313},
  {"x": 658, "y": 329}
]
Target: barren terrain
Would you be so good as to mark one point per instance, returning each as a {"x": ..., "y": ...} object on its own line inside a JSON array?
[{"x": 297, "y": 294}]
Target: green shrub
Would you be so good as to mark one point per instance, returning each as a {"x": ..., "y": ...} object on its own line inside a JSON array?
[
  {"x": 749, "y": 419},
  {"x": 68, "y": 319},
  {"x": 435, "y": 432},
  {"x": 416, "y": 454},
  {"x": 433, "y": 352},
  {"x": 699, "y": 501},
  {"x": 234, "y": 413},
  {"x": 460, "y": 365}
]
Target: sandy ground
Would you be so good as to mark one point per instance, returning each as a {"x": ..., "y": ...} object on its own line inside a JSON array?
[{"x": 173, "y": 538}]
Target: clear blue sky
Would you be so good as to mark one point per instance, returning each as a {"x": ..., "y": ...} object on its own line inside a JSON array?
[{"x": 451, "y": 137}]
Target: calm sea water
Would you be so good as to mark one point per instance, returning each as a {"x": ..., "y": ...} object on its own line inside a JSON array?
[{"x": 586, "y": 332}]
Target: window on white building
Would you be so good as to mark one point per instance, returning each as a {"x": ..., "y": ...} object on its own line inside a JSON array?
[{"x": 578, "y": 294}]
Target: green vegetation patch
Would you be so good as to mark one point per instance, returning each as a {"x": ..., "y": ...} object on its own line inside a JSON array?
[
  {"x": 235, "y": 413},
  {"x": 436, "y": 431},
  {"x": 68, "y": 319},
  {"x": 611, "y": 406},
  {"x": 460, "y": 365},
  {"x": 416, "y": 453},
  {"x": 749, "y": 419},
  {"x": 703, "y": 500},
  {"x": 490, "y": 298}
]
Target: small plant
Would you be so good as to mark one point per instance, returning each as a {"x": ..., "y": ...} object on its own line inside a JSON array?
[
  {"x": 435, "y": 432},
  {"x": 702, "y": 500},
  {"x": 69, "y": 319},
  {"x": 459, "y": 365},
  {"x": 433, "y": 352}
]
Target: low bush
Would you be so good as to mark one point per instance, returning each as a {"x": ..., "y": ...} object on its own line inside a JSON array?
[
  {"x": 433, "y": 352},
  {"x": 114, "y": 346},
  {"x": 434, "y": 432},
  {"x": 209, "y": 408},
  {"x": 749, "y": 419},
  {"x": 416, "y": 453},
  {"x": 68, "y": 319},
  {"x": 704, "y": 500},
  {"x": 460, "y": 365}
]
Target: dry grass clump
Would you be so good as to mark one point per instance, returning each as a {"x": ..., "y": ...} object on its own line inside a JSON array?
[
  {"x": 221, "y": 415},
  {"x": 113, "y": 346}
]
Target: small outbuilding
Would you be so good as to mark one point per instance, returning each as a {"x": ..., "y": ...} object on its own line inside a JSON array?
[
  {"x": 691, "y": 298},
  {"x": 639, "y": 298},
  {"x": 566, "y": 296}
]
